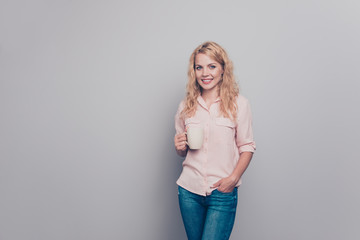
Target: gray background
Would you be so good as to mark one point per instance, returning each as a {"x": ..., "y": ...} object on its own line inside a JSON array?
[{"x": 89, "y": 90}]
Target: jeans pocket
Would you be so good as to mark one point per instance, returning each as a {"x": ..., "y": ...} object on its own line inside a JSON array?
[
  {"x": 226, "y": 202},
  {"x": 229, "y": 197},
  {"x": 233, "y": 192}
]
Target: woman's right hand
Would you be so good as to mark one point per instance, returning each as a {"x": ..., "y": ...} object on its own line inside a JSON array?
[{"x": 180, "y": 142}]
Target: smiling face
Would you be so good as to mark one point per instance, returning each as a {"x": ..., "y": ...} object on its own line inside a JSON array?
[{"x": 208, "y": 72}]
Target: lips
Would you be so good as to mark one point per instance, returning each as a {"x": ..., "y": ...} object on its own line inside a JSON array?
[{"x": 206, "y": 81}]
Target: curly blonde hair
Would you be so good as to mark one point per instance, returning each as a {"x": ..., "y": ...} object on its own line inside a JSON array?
[{"x": 228, "y": 88}]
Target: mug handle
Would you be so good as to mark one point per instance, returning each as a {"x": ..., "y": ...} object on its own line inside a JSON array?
[{"x": 186, "y": 138}]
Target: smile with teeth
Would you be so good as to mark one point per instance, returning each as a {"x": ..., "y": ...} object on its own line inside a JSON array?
[{"x": 206, "y": 80}]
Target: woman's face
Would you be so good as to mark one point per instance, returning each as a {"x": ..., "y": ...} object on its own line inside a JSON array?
[{"x": 208, "y": 72}]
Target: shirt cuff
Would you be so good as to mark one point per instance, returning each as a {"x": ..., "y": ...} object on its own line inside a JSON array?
[{"x": 247, "y": 148}]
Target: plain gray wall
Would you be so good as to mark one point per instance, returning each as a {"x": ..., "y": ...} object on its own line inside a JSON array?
[{"x": 88, "y": 93}]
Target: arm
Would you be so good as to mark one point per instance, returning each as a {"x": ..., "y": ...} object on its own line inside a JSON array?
[
  {"x": 180, "y": 137},
  {"x": 241, "y": 166},
  {"x": 245, "y": 143},
  {"x": 227, "y": 184}
]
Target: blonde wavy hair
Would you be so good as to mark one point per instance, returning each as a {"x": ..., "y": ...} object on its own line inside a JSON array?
[{"x": 228, "y": 88}]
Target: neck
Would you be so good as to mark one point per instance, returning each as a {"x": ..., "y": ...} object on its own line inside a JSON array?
[{"x": 210, "y": 95}]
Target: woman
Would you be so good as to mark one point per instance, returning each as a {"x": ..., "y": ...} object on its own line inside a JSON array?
[{"x": 210, "y": 177}]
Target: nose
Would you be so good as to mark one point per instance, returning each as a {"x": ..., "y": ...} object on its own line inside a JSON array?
[{"x": 205, "y": 72}]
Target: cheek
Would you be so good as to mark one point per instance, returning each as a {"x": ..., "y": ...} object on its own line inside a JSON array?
[
  {"x": 197, "y": 79},
  {"x": 197, "y": 75},
  {"x": 218, "y": 74}
]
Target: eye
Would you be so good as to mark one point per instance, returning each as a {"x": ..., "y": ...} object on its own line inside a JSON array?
[
  {"x": 198, "y": 67},
  {"x": 212, "y": 67}
]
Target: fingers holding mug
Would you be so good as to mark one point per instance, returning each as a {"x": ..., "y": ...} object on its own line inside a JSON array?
[{"x": 180, "y": 142}]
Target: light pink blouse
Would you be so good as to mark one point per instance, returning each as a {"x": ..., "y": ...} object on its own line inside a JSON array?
[{"x": 224, "y": 141}]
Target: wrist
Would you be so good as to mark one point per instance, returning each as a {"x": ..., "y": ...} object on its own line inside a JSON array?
[
  {"x": 235, "y": 177},
  {"x": 182, "y": 153}
]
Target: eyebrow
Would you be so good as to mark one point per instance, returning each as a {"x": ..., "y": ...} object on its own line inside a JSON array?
[{"x": 207, "y": 65}]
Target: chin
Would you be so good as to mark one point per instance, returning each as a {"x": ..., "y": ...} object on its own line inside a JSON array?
[{"x": 207, "y": 87}]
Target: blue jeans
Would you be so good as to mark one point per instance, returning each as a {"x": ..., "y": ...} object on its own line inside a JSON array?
[{"x": 208, "y": 217}]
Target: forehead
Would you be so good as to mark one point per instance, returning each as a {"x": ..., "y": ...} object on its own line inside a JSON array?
[{"x": 204, "y": 59}]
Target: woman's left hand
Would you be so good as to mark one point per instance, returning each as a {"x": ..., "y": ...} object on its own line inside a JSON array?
[{"x": 227, "y": 184}]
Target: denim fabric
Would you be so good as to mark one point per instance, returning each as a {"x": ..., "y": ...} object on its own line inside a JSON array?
[{"x": 208, "y": 217}]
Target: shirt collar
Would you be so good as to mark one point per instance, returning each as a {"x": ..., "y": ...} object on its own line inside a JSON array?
[{"x": 201, "y": 101}]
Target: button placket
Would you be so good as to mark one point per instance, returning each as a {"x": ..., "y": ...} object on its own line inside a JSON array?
[
  {"x": 205, "y": 150},
  {"x": 206, "y": 137}
]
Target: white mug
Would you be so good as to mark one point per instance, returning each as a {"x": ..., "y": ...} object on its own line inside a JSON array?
[{"x": 195, "y": 136}]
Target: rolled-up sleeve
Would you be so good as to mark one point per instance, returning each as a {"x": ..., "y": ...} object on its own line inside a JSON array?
[
  {"x": 244, "y": 132},
  {"x": 179, "y": 121}
]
